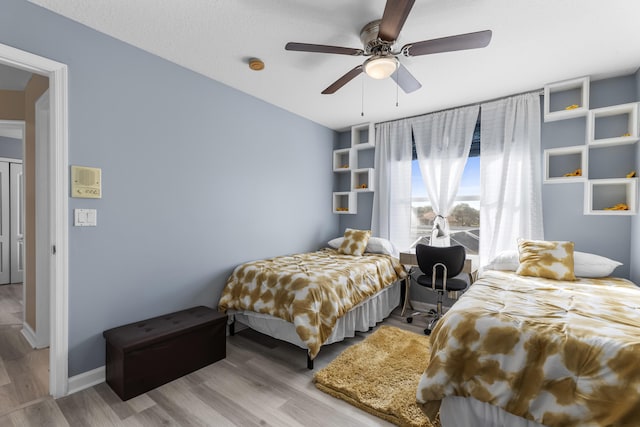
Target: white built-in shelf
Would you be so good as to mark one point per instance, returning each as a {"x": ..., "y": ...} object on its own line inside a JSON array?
[
  {"x": 363, "y": 136},
  {"x": 622, "y": 126},
  {"x": 345, "y": 202},
  {"x": 607, "y": 127},
  {"x": 565, "y": 160},
  {"x": 346, "y": 160},
  {"x": 560, "y": 95},
  {"x": 342, "y": 160},
  {"x": 601, "y": 194},
  {"x": 362, "y": 179}
]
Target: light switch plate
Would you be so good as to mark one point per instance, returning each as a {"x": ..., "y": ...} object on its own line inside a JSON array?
[{"x": 85, "y": 217}]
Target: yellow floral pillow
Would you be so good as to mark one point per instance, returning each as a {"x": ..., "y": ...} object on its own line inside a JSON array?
[
  {"x": 539, "y": 258},
  {"x": 355, "y": 242}
]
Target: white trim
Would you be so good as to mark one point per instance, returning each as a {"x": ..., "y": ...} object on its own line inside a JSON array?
[
  {"x": 29, "y": 335},
  {"x": 10, "y": 160},
  {"x": 86, "y": 379},
  {"x": 17, "y": 126},
  {"x": 43, "y": 224},
  {"x": 59, "y": 209}
]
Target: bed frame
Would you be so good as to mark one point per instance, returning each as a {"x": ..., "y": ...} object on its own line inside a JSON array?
[{"x": 361, "y": 318}]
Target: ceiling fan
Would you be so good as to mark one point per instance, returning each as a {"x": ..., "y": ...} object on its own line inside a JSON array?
[{"x": 378, "y": 38}]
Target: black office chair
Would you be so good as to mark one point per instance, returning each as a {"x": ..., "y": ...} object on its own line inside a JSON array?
[{"x": 439, "y": 266}]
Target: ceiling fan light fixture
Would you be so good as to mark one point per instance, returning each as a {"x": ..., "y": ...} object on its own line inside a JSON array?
[{"x": 380, "y": 67}]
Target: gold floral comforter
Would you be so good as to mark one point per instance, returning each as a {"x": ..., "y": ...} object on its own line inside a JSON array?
[
  {"x": 311, "y": 290},
  {"x": 559, "y": 353}
]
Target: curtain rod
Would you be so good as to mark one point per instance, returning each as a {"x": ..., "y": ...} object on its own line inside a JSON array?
[{"x": 538, "y": 91}]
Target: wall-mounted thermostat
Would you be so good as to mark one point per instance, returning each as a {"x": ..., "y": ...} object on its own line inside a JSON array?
[{"x": 86, "y": 182}]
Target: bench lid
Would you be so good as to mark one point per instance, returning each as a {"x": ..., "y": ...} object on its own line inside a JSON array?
[{"x": 146, "y": 332}]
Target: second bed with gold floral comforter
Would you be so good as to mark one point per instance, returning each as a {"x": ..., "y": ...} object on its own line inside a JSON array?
[
  {"x": 561, "y": 353},
  {"x": 311, "y": 290}
]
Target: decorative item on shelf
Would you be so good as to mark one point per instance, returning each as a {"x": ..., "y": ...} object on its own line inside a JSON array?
[
  {"x": 572, "y": 107},
  {"x": 344, "y": 167},
  {"x": 627, "y": 134},
  {"x": 618, "y": 207},
  {"x": 631, "y": 174},
  {"x": 577, "y": 172},
  {"x": 363, "y": 186},
  {"x": 342, "y": 209}
]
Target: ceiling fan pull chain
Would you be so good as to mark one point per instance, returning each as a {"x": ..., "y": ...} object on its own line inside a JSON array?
[
  {"x": 362, "y": 97},
  {"x": 397, "y": 84}
]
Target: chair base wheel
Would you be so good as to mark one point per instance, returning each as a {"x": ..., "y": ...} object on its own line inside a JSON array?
[
  {"x": 409, "y": 319},
  {"x": 427, "y": 331}
]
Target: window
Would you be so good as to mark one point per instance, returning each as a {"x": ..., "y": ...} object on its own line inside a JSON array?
[{"x": 464, "y": 219}]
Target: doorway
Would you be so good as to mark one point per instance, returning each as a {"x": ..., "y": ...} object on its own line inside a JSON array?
[{"x": 55, "y": 238}]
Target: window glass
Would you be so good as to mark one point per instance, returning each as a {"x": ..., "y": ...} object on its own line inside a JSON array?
[{"x": 464, "y": 218}]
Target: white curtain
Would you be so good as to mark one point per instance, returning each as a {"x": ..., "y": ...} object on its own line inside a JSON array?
[
  {"x": 510, "y": 174},
  {"x": 442, "y": 145},
  {"x": 391, "y": 216}
]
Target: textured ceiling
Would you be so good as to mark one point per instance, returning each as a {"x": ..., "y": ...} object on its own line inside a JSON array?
[{"x": 534, "y": 42}]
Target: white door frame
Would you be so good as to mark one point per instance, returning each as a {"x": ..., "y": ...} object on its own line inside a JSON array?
[
  {"x": 42, "y": 265},
  {"x": 58, "y": 179}
]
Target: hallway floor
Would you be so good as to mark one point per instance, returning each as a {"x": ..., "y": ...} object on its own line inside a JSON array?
[{"x": 24, "y": 372}]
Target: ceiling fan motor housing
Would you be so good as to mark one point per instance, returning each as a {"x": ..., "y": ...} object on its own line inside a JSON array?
[{"x": 372, "y": 44}]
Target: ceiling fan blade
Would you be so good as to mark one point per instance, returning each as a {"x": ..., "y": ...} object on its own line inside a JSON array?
[
  {"x": 393, "y": 18},
  {"x": 405, "y": 80},
  {"x": 343, "y": 80},
  {"x": 447, "y": 44},
  {"x": 321, "y": 48}
]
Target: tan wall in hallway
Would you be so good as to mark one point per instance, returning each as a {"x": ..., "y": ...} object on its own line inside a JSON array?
[
  {"x": 12, "y": 105},
  {"x": 34, "y": 90}
]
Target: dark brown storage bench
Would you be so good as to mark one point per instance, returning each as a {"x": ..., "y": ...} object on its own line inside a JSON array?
[{"x": 144, "y": 355}]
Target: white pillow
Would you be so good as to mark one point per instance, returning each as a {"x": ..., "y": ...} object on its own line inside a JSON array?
[
  {"x": 505, "y": 260},
  {"x": 584, "y": 264},
  {"x": 375, "y": 245},
  {"x": 592, "y": 265}
]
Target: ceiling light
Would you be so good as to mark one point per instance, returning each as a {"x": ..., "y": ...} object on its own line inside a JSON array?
[{"x": 380, "y": 67}]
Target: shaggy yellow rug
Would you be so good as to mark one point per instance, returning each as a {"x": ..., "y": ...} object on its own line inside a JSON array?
[{"x": 380, "y": 375}]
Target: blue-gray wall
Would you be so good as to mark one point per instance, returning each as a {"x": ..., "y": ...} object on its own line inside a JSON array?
[
  {"x": 10, "y": 148},
  {"x": 197, "y": 177}
]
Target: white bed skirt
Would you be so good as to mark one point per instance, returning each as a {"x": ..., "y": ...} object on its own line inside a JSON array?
[
  {"x": 359, "y": 319},
  {"x": 467, "y": 411}
]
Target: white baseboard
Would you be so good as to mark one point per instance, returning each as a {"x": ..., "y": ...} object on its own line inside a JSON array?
[
  {"x": 86, "y": 379},
  {"x": 29, "y": 335}
]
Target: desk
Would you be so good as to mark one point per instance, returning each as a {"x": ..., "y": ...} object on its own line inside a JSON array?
[{"x": 408, "y": 259}]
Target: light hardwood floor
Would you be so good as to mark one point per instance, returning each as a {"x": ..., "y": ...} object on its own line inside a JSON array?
[
  {"x": 261, "y": 382},
  {"x": 24, "y": 372}
]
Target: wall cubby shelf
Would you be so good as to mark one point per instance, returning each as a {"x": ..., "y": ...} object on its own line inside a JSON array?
[
  {"x": 602, "y": 156},
  {"x": 615, "y": 125},
  {"x": 560, "y": 95},
  {"x": 363, "y": 136},
  {"x": 561, "y": 161},
  {"x": 362, "y": 179},
  {"x": 607, "y": 193},
  {"x": 342, "y": 160},
  {"x": 345, "y": 202},
  {"x": 346, "y": 160}
]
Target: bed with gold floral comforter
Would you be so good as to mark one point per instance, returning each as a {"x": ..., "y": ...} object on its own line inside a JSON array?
[
  {"x": 556, "y": 352},
  {"x": 311, "y": 290}
]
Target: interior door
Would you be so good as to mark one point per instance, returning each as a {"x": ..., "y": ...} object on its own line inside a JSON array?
[
  {"x": 16, "y": 215},
  {"x": 5, "y": 245}
]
